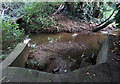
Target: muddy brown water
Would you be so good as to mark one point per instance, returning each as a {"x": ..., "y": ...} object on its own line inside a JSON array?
[
  {"x": 93, "y": 41},
  {"x": 90, "y": 44},
  {"x": 67, "y": 37}
]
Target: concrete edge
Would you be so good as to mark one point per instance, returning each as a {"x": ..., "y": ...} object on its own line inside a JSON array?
[
  {"x": 103, "y": 53},
  {"x": 15, "y": 54}
]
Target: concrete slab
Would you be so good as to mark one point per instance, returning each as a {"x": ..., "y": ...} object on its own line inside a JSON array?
[{"x": 105, "y": 72}]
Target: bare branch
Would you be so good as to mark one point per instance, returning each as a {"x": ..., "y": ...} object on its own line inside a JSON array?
[
  {"x": 6, "y": 9},
  {"x": 103, "y": 26},
  {"x": 59, "y": 9},
  {"x": 106, "y": 19},
  {"x": 3, "y": 13}
]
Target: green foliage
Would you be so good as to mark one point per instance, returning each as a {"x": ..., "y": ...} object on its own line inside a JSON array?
[
  {"x": 117, "y": 17},
  {"x": 106, "y": 10},
  {"x": 11, "y": 35},
  {"x": 32, "y": 48},
  {"x": 37, "y": 16},
  {"x": 52, "y": 54},
  {"x": 3, "y": 56},
  {"x": 49, "y": 80},
  {"x": 88, "y": 11},
  {"x": 40, "y": 64},
  {"x": 103, "y": 10},
  {"x": 93, "y": 11},
  {"x": 16, "y": 9}
]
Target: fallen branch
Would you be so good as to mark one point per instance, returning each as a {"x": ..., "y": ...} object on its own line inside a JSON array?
[
  {"x": 17, "y": 19},
  {"x": 106, "y": 19},
  {"x": 59, "y": 9},
  {"x": 103, "y": 26}
]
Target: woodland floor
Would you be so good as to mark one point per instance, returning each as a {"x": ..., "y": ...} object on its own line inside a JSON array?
[
  {"x": 71, "y": 25},
  {"x": 114, "y": 49}
]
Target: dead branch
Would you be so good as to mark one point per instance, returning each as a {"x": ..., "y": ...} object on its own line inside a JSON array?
[
  {"x": 3, "y": 10},
  {"x": 59, "y": 9},
  {"x": 103, "y": 26},
  {"x": 6, "y": 9},
  {"x": 106, "y": 19}
]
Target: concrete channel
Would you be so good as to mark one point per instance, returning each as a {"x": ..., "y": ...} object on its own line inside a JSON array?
[{"x": 13, "y": 71}]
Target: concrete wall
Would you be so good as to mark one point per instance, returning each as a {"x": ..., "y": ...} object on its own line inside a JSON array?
[
  {"x": 17, "y": 57},
  {"x": 103, "y": 53}
]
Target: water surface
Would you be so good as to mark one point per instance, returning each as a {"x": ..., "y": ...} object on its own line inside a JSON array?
[{"x": 93, "y": 41}]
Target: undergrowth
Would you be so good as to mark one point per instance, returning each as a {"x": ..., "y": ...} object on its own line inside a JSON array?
[{"x": 38, "y": 16}]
